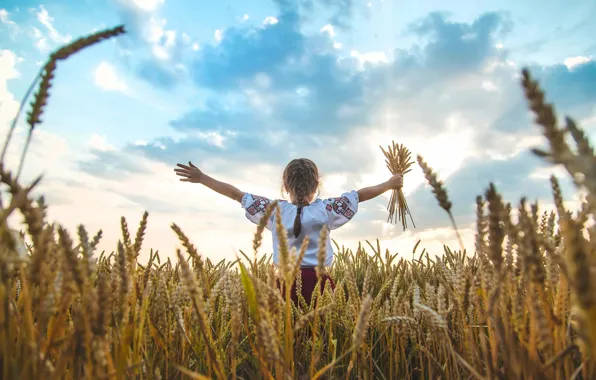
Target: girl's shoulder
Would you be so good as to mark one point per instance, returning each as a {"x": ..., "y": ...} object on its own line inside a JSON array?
[
  {"x": 349, "y": 198},
  {"x": 346, "y": 202},
  {"x": 341, "y": 209}
]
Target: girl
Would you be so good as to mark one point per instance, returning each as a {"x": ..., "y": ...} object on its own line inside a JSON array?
[{"x": 303, "y": 216}]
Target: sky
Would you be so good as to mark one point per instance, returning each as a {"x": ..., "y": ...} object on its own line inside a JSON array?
[{"x": 240, "y": 88}]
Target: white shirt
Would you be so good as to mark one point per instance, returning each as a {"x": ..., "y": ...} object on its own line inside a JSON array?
[{"x": 333, "y": 212}]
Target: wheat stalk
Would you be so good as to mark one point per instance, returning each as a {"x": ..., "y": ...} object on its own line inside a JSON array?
[
  {"x": 398, "y": 161},
  {"x": 44, "y": 78}
]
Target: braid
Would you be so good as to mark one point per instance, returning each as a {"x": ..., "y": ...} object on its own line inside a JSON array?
[
  {"x": 301, "y": 179},
  {"x": 297, "y": 222}
]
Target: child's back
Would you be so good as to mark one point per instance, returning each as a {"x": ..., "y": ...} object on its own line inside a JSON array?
[
  {"x": 303, "y": 217},
  {"x": 332, "y": 212}
]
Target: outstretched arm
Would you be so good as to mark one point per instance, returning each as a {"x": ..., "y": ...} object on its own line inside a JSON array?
[
  {"x": 371, "y": 192},
  {"x": 193, "y": 174}
]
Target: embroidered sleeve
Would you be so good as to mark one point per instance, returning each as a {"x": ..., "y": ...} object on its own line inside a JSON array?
[
  {"x": 342, "y": 209},
  {"x": 255, "y": 206}
]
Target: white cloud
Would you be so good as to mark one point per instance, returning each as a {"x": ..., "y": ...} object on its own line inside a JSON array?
[
  {"x": 189, "y": 42},
  {"x": 8, "y": 61},
  {"x": 218, "y": 35},
  {"x": 546, "y": 173},
  {"x": 259, "y": 100},
  {"x": 245, "y": 17},
  {"x": 373, "y": 57},
  {"x": 106, "y": 77},
  {"x": 4, "y": 17},
  {"x": 5, "y": 20},
  {"x": 147, "y": 5},
  {"x": 494, "y": 65},
  {"x": 334, "y": 183},
  {"x": 170, "y": 38},
  {"x": 263, "y": 80},
  {"x": 489, "y": 86},
  {"x": 46, "y": 20},
  {"x": 589, "y": 122},
  {"x": 8, "y": 105},
  {"x": 329, "y": 30},
  {"x": 160, "y": 52},
  {"x": 154, "y": 29},
  {"x": 337, "y": 45},
  {"x": 100, "y": 142},
  {"x": 270, "y": 20},
  {"x": 42, "y": 41},
  {"x": 572, "y": 62},
  {"x": 164, "y": 44},
  {"x": 212, "y": 138},
  {"x": 180, "y": 67},
  {"x": 302, "y": 91}
]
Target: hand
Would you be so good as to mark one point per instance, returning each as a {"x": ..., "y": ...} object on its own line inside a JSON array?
[
  {"x": 189, "y": 173},
  {"x": 396, "y": 182}
]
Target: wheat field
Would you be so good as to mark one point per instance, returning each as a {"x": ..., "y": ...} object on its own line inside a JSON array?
[{"x": 520, "y": 305}]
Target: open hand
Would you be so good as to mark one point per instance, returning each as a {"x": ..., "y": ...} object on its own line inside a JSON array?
[
  {"x": 396, "y": 182},
  {"x": 189, "y": 173}
]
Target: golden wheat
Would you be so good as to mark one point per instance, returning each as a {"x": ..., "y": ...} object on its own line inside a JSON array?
[{"x": 397, "y": 159}]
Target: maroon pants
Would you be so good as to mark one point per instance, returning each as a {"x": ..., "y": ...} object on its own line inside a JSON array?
[{"x": 309, "y": 283}]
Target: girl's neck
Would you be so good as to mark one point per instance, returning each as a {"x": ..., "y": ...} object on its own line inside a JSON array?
[{"x": 303, "y": 203}]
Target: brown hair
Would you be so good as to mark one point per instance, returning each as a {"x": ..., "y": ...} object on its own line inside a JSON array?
[{"x": 301, "y": 180}]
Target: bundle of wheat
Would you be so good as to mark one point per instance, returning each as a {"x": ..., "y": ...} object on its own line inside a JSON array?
[{"x": 397, "y": 158}]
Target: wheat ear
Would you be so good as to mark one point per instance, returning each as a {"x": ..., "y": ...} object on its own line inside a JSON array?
[
  {"x": 440, "y": 194},
  {"x": 397, "y": 159},
  {"x": 46, "y": 75}
]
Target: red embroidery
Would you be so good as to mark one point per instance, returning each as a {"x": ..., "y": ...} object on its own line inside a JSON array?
[
  {"x": 259, "y": 205},
  {"x": 349, "y": 214},
  {"x": 341, "y": 207}
]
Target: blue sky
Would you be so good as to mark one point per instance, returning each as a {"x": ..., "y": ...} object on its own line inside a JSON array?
[{"x": 240, "y": 88}]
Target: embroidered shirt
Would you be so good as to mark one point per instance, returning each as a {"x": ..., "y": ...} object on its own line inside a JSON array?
[{"x": 333, "y": 212}]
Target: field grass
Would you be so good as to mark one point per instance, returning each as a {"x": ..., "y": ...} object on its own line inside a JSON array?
[{"x": 522, "y": 305}]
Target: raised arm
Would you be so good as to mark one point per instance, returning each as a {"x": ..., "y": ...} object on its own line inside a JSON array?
[
  {"x": 371, "y": 192},
  {"x": 193, "y": 174}
]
